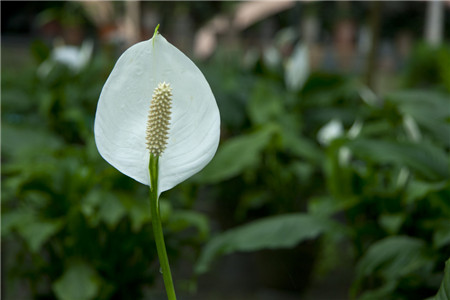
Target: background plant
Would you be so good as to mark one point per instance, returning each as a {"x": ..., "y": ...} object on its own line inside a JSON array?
[
  {"x": 386, "y": 173},
  {"x": 62, "y": 203},
  {"x": 320, "y": 167}
]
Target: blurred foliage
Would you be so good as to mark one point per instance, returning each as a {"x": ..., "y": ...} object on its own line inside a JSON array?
[
  {"x": 272, "y": 232},
  {"x": 311, "y": 157},
  {"x": 384, "y": 168},
  {"x": 444, "y": 291},
  {"x": 428, "y": 67},
  {"x": 73, "y": 227}
]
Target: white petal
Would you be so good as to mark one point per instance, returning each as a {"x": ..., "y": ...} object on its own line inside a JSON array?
[
  {"x": 67, "y": 55},
  {"x": 330, "y": 131},
  {"x": 297, "y": 68},
  {"x": 123, "y": 107}
]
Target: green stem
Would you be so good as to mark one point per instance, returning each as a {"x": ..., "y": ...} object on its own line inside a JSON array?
[{"x": 157, "y": 228}]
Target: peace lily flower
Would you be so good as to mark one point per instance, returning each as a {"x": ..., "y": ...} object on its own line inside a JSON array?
[
  {"x": 73, "y": 57},
  {"x": 157, "y": 121},
  {"x": 330, "y": 131},
  {"x": 122, "y": 118},
  {"x": 297, "y": 68}
]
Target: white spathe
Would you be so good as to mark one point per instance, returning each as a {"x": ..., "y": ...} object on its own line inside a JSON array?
[
  {"x": 297, "y": 68},
  {"x": 330, "y": 131},
  {"x": 123, "y": 107},
  {"x": 73, "y": 57}
]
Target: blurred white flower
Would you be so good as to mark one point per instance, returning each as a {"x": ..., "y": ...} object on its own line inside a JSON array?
[
  {"x": 75, "y": 58},
  {"x": 297, "y": 68},
  {"x": 330, "y": 131}
]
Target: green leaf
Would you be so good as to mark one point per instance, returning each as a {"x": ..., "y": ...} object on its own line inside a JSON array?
[
  {"x": 302, "y": 147},
  {"x": 40, "y": 51},
  {"x": 38, "y": 232},
  {"x": 392, "y": 258},
  {"x": 183, "y": 219},
  {"x": 266, "y": 103},
  {"x": 13, "y": 219},
  {"x": 103, "y": 206},
  {"x": 391, "y": 222},
  {"x": 444, "y": 290},
  {"x": 139, "y": 212},
  {"x": 326, "y": 206},
  {"x": 418, "y": 102},
  {"x": 417, "y": 189},
  {"x": 383, "y": 292},
  {"x": 165, "y": 207},
  {"x": 376, "y": 129},
  {"x": 251, "y": 199},
  {"x": 430, "y": 161},
  {"x": 430, "y": 109},
  {"x": 15, "y": 100},
  {"x": 236, "y": 155},
  {"x": 111, "y": 211},
  {"x": 283, "y": 231},
  {"x": 79, "y": 282},
  {"x": 441, "y": 236},
  {"x": 27, "y": 141}
]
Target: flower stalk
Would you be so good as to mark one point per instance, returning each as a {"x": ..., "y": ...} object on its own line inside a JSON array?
[
  {"x": 165, "y": 144},
  {"x": 157, "y": 228}
]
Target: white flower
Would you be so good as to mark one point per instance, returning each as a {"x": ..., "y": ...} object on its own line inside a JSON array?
[
  {"x": 75, "y": 58},
  {"x": 330, "y": 131},
  {"x": 156, "y": 68},
  {"x": 297, "y": 68}
]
